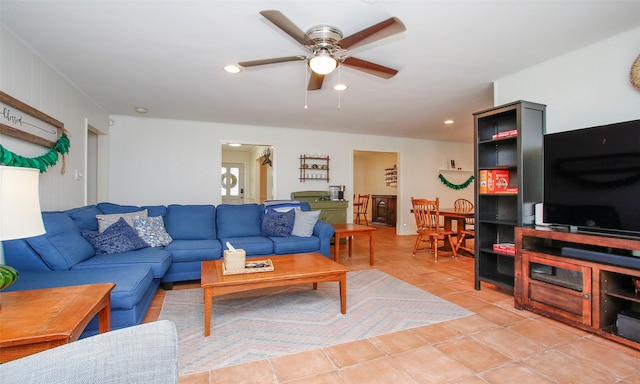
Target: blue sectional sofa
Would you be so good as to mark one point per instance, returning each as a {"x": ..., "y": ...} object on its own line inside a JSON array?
[{"x": 64, "y": 255}]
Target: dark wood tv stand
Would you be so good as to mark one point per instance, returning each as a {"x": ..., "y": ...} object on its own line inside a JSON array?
[{"x": 587, "y": 294}]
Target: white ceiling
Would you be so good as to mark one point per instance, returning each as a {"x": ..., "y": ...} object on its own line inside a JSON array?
[{"x": 168, "y": 56}]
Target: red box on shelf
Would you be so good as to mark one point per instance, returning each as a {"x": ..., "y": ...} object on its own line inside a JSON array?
[
  {"x": 508, "y": 248},
  {"x": 502, "y": 135},
  {"x": 499, "y": 180}
]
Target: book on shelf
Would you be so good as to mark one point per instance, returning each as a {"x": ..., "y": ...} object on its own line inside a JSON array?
[
  {"x": 502, "y": 135},
  {"x": 508, "y": 248}
]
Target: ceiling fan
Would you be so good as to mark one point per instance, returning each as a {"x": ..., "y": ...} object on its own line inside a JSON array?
[{"x": 329, "y": 49}]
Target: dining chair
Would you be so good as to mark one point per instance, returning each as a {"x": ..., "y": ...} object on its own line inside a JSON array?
[
  {"x": 465, "y": 234},
  {"x": 468, "y": 232},
  {"x": 427, "y": 214},
  {"x": 360, "y": 206}
]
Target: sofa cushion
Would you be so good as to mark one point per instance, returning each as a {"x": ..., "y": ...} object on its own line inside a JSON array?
[
  {"x": 295, "y": 244},
  {"x": 131, "y": 283},
  {"x": 155, "y": 210},
  {"x": 252, "y": 245},
  {"x": 304, "y": 222},
  {"x": 119, "y": 237},
  {"x": 157, "y": 259},
  {"x": 109, "y": 208},
  {"x": 152, "y": 231},
  {"x": 105, "y": 221},
  {"x": 278, "y": 224},
  {"x": 239, "y": 220},
  {"x": 62, "y": 246},
  {"x": 85, "y": 217},
  {"x": 194, "y": 250},
  {"x": 191, "y": 222}
]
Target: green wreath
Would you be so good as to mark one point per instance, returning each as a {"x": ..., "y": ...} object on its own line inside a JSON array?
[
  {"x": 41, "y": 162},
  {"x": 455, "y": 186}
]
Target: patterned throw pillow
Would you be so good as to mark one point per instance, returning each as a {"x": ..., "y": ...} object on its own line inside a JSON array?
[
  {"x": 118, "y": 238},
  {"x": 104, "y": 221},
  {"x": 152, "y": 231},
  {"x": 277, "y": 224}
]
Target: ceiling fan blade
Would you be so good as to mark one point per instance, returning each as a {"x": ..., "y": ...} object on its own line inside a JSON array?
[
  {"x": 282, "y": 22},
  {"x": 369, "y": 67},
  {"x": 315, "y": 82},
  {"x": 375, "y": 32},
  {"x": 271, "y": 61}
]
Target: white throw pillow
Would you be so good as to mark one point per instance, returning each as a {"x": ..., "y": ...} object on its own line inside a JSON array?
[
  {"x": 152, "y": 231},
  {"x": 304, "y": 222},
  {"x": 105, "y": 221}
]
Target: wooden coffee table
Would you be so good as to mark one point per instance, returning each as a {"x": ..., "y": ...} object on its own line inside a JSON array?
[
  {"x": 39, "y": 319},
  {"x": 288, "y": 270}
]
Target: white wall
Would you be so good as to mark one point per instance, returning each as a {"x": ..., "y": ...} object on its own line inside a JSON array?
[
  {"x": 583, "y": 88},
  {"x": 28, "y": 78},
  {"x": 161, "y": 161}
]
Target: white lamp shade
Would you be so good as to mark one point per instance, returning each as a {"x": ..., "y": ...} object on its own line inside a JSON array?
[
  {"x": 323, "y": 63},
  {"x": 20, "y": 214}
]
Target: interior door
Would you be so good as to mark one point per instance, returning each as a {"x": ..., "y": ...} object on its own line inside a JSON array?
[{"x": 232, "y": 183}]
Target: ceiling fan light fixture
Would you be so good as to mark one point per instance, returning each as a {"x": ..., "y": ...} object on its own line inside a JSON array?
[
  {"x": 340, "y": 87},
  {"x": 323, "y": 63},
  {"x": 231, "y": 69}
]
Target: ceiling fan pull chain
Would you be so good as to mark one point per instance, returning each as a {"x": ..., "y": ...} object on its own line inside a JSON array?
[
  {"x": 339, "y": 82},
  {"x": 306, "y": 75}
]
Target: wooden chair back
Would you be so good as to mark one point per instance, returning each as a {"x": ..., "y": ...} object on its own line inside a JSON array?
[
  {"x": 464, "y": 205},
  {"x": 427, "y": 214}
]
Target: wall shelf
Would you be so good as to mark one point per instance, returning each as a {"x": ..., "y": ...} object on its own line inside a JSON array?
[
  {"x": 391, "y": 176},
  {"x": 314, "y": 168}
]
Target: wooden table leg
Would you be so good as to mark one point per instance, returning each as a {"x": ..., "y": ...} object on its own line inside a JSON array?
[
  {"x": 447, "y": 227},
  {"x": 343, "y": 294},
  {"x": 336, "y": 249},
  {"x": 104, "y": 316},
  {"x": 372, "y": 240},
  {"x": 208, "y": 302},
  {"x": 350, "y": 244}
]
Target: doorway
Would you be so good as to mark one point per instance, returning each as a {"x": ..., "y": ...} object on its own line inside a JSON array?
[
  {"x": 94, "y": 160},
  {"x": 255, "y": 179},
  {"x": 232, "y": 183},
  {"x": 370, "y": 177}
]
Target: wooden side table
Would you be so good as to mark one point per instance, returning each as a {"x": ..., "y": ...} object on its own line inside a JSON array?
[
  {"x": 39, "y": 319},
  {"x": 349, "y": 231}
]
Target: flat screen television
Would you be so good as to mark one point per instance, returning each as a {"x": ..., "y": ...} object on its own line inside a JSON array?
[{"x": 592, "y": 179}]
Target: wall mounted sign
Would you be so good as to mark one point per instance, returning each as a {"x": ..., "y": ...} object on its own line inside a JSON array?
[{"x": 24, "y": 122}]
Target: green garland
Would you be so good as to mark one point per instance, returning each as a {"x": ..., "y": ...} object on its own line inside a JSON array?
[
  {"x": 41, "y": 162},
  {"x": 455, "y": 186}
]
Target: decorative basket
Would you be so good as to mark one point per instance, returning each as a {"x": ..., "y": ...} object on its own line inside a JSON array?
[{"x": 251, "y": 267}]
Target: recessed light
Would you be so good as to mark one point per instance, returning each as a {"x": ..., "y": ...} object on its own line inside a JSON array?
[
  {"x": 234, "y": 144},
  {"x": 141, "y": 110},
  {"x": 448, "y": 121},
  {"x": 232, "y": 69},
  {"x": 340, "y": 87}
]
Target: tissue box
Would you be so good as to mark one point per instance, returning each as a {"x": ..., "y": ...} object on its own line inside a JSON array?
[{"x": 234, "y": 260}]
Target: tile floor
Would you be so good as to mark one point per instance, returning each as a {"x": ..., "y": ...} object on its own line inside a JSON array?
[{"x": 499, "y": 344}]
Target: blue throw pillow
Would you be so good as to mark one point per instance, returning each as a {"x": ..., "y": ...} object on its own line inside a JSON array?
[
  {"x": 277, "y": 224},
  {"x": 119, "y": 237}
]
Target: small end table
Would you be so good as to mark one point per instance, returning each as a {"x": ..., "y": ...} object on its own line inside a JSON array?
[
  {"x": 35, "y": 320},
  {"x": 349, "y": 231}
]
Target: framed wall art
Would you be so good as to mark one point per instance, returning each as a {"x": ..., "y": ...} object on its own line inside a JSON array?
[{"x": 24, "y": 122}]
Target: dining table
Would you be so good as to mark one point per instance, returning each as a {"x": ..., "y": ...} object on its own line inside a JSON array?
[{"x": 460, "y": 216}]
